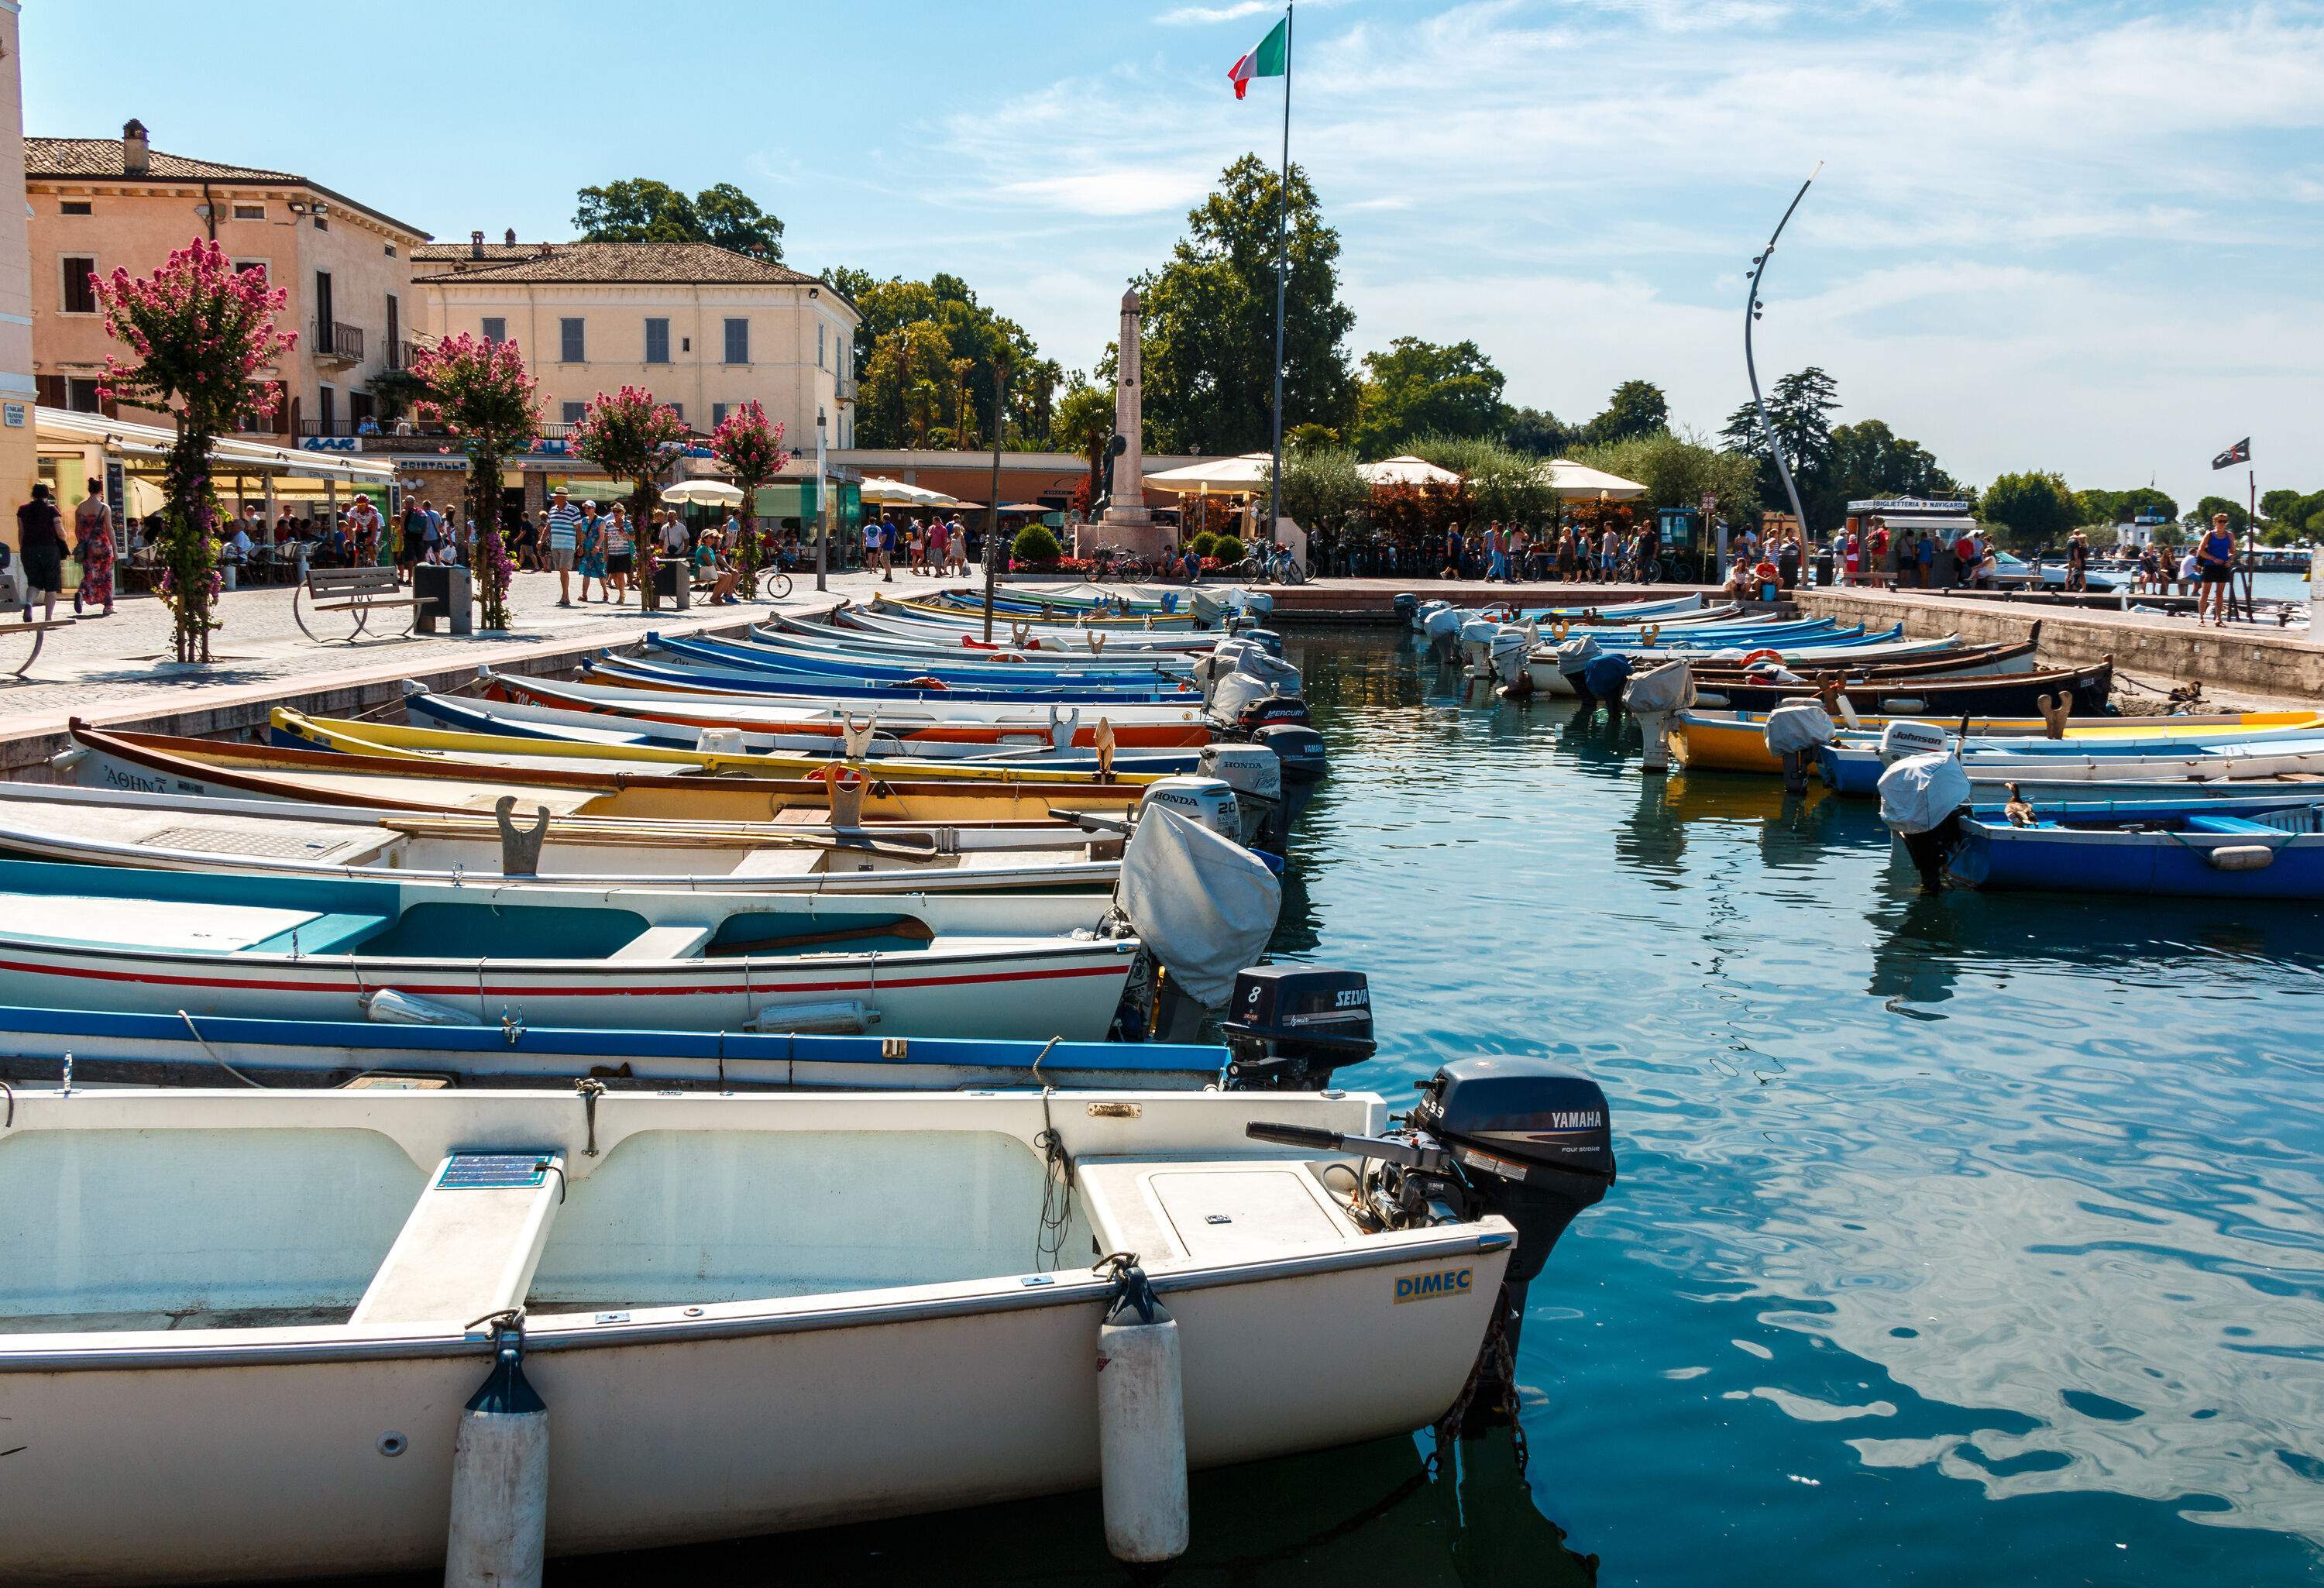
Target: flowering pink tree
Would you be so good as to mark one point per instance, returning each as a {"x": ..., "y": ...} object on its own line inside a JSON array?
[
  {"x": 750, "y": 450},
  {"x": 202, "y": 331},
  {"x": 633, "y": 436},
  {"x": 489, "y": 401}
]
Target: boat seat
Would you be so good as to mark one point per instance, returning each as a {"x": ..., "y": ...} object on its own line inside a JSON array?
[
  {"x": 2230, "y": 823},
  {"x": 339, "y": 932},
  {"x": 472, "y": 1241},
  {"x": 1208, "y": 1210},
  {"x": 682, "y": 941}
]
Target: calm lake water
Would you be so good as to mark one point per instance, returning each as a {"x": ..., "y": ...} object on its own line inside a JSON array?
[{"x": 1957, "y": 1240}]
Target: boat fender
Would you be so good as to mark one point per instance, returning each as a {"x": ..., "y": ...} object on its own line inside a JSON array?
[
  {"x": 826, "y": 1017},
  {"x": 1141, "y": 1421},
  {"x": 390, "y": 1007},
  {"x": 520, "y": 850},
  {"x": 499, "y": 1531},
  {"x": 2240, "y": 857}
]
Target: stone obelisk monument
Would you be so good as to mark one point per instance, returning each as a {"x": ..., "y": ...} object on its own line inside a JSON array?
[{"x": 1127, "y": 524}]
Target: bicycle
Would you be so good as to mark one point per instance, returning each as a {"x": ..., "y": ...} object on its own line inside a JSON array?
[
  {"x": 1110, "y": 562},
  {"x": 773, "y": 584}
]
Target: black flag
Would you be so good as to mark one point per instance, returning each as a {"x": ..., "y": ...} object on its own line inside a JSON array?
[{"x": 2238, "y": 453}]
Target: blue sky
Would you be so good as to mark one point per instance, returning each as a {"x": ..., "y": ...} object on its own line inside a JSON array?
[{"x": 2079, "y": 237}]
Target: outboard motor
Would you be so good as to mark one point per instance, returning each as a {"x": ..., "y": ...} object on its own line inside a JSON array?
[
  {"x": 1267, "y": 639},
  {"x": 1512, "y": 650},
  {"x": 1921, "y": 799},
  {"x": 1441, "y": 628},
  {"x": 1245, "y": 703},
  {"x": 1574, "y": 657},
  {"x": 1407, "y": 610},
  {"x": 1477, "y": 645},
  {"x": 1653, "y": 696},
  {"x": 1289, "y": 1026},
  {"x": 1522, "y": 1137},
  {"x": 1793, "y": 732},
  {"x": 1301, "y": 751},
  {"x": 1205, "y": 801},
  {"x": 1604, "y": 680},
  {"x": 1256, "y": 776},
  {"x": 1899, "y": 740}
]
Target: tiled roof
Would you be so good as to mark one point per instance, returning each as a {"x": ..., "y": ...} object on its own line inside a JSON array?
[
  {"x": 62, "y": 159},
  {"x": 457, "y": 254},
  {"x": 681, "y": 262}
]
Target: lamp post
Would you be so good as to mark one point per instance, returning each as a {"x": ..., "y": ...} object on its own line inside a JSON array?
[
  {"x": 822, "y": 501},
  {"x": 993, "y": 519},
  {"x": 1752, "y": 309}
]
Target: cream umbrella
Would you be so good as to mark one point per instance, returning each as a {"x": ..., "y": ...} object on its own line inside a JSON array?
[
  {"x": 889, "y": 493},
  {"x": 1568, "y": 478},
  {"x": 711, "y": 492},
  {"x": 1406, "y": 470},
  {"x": 1248, "y": 472}
]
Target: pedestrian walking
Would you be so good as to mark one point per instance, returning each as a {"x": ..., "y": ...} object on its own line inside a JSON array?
[
  {"x": 564, "y": 527},
  {"x": 2215, "y": 556},
  {"x": 41, "y": 548}
]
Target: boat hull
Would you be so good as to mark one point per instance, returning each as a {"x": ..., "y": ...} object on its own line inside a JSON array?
[{"x": 2173, "y": 864}]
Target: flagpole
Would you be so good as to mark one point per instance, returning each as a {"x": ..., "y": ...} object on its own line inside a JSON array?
[{"x": 1282, "y": 275}]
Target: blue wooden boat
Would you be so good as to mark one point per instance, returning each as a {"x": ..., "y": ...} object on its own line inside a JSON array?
[
  {"x": 2209, "y": 852},
  {"x": 110, "y": 1046},
  {"x": 1854, "y": 767},
  {"x": 709, "y": 677},
  {"x": 1141, "y": 673}
]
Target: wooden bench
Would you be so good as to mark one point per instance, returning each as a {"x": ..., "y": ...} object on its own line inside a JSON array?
[
  {"x": 359, "y": 590},
  {"x": 39, "y": 630}
]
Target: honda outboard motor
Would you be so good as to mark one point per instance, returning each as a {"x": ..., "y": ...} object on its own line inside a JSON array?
[
  {"x": 1301, "y": 751},
  {"x": 1205, "y": 801},
  {"x": 1407, "y": 610},
  {"x": 1289, "y": 1026},
  {"x": 1256, "y": 775},
  {"x": 1522, "y": 1137}
]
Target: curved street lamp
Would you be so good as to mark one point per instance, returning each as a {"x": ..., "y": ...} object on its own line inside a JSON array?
[{"x": 1753, "y": 309}]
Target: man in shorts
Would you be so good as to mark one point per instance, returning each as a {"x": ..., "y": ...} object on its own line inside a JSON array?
[
  {"x": 564, "y": 521},
  {"x": 2215, "y": 556}
]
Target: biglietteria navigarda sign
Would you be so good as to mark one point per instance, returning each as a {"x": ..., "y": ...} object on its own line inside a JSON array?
[{"x": 1908, "y": 505}]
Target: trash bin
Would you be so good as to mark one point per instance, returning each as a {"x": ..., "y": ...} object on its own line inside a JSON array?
[
  {"x": 670, "y": 582},
  {"x": 1824, "y": 567},
  {"x": 444, "y": 593}
]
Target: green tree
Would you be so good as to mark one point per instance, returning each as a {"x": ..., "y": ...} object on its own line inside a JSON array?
[
  {"x": 2120, "y": 507},
  {"x": 1498, "y": 483},
  {"x": 1800, "y": 407},
  {"x": 2199, "y": 520},
  {"x": 1324, "y": 491},
  {"x": 1540, "y": 432},
  {"x": 1869, "y": 459},
  {"x": 1308, "y": 437},
  {"x": 1083, "y": 425},
  {"x": 908, "y": 345},
  {"x": 643, "y": 210},
  {"x": 1209, "y": 331},
  {"x": 1636, "y": 408},
  {"x": 1677, "y": 470},
  {"x": 1419, "y": 388},
  {"x": 2030, "y": 510}
]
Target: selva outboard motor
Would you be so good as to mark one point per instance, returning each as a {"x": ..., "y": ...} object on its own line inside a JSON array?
[
  {"x": 1289, "y": 1026},
  {"x": 1519, "y": 1137}
]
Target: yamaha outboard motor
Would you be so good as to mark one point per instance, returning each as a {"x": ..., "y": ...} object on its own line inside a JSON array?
[
  {"x": 1267, "y": 639},
  {"x": 1289, "y": 1026},
  {"x": 1300, "y": 749},
  {"x": 1522, "y": 1137},
  {"x": 1408, "y": 611}
]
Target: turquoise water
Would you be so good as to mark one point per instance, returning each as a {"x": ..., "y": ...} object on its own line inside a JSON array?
[{"x": 1957, "y": 1240}]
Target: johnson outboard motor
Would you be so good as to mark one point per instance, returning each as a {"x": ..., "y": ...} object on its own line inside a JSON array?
[
  {"x": 1519, "y": 1137},
  {"x": 1922, "y": 799},
  {"x": 1407, "y": 610},
  {"x": 1289, "y": 1026},
  {"x": 1300, "y": 749}
]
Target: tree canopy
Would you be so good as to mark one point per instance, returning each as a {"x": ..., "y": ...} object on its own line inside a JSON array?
[
  {"x": 925, "y": 356},
  {"x": 640, "y": 209},
  {"x": 1418, "y": 388},
  {"x": 1209, "y": 330},
  {"x": 2034, "y": 509},
  {"x": 1636, "y": 408},
  {"x": 1540, "y": 432}
]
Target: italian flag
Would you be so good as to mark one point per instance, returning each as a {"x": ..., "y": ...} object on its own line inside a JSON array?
[{"x": 1265, "y": 61}]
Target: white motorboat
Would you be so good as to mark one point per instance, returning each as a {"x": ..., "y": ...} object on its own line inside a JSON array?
[{"x": 266, "y": 1333}]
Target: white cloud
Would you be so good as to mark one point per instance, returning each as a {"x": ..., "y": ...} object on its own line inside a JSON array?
[{"x": 1196, "y": 14}]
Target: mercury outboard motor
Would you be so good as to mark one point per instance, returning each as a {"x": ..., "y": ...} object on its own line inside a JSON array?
[
  {"x": 1519, "y": 1137},
  {"x": 1289, "y": 1026},
  {"x": 1300, "y": 749}
]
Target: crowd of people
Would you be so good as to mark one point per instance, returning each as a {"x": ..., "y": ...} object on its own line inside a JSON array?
[
  {"x": 936, "y": 548},
  {"x": 1570, "y": 554}
]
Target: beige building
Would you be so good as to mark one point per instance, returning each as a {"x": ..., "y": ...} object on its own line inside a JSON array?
[
  {"x": 98, "y": 204},
  {"x": 17, "y": 453},
  {"x": 704, "y": 329}
]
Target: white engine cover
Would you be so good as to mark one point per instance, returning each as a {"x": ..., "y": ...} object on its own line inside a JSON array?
[
  {"x": 1206, "y": 801},
  {"x": 1798, "y": 725},
  {"x": 1899, "y": 740},
  {"x": 1247, "y": 769},
  {"x": 1919, "y": 791}
]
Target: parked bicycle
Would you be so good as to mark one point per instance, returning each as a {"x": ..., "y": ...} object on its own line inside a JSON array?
[{"x": 1112, "y": 562}]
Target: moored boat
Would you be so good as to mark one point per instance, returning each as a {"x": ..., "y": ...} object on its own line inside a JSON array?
[{"x": 2199, "y": 850}]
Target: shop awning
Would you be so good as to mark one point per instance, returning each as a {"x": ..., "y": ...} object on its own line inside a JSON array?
[{"x": 229, "y": 455}]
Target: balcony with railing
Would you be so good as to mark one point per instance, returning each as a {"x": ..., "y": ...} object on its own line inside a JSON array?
[{"x": 338, "y": 343}]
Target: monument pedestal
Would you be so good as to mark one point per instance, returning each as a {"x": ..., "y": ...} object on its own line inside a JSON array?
[{"x": 1134, "y": 531}]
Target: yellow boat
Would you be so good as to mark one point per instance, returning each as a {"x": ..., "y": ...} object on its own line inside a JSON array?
[
  {"x": 167, "y": 767},
  {"x": 1729, "y": 741},
  {"x": 396, "y": 739}
]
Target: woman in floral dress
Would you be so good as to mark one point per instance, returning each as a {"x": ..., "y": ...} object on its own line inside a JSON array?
[
  {"x": 589, "y": 553},
  {"x": 93, "y": 532}
]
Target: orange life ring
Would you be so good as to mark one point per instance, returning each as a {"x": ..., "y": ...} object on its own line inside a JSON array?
[{"x": 1761, "y": 655}]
